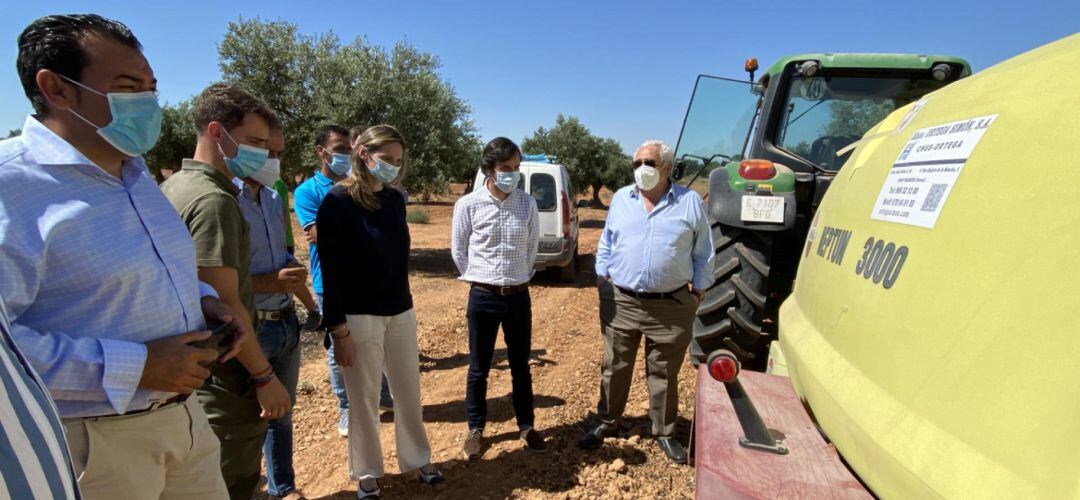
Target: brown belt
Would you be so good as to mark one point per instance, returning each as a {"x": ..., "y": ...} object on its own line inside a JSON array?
[
  {"x": 502, "y": 290},
  {"x": 277, "y": 315},
  {"x": 157, "y": 405}
]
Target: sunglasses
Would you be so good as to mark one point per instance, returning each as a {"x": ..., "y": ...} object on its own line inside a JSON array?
[{"x": 650, "y": 163}]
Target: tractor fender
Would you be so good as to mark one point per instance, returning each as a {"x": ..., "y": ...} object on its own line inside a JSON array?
[{"x": 725, "y": 205}]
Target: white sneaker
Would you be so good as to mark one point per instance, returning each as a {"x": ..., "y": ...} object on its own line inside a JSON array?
[{"x": 343, "y": 424}]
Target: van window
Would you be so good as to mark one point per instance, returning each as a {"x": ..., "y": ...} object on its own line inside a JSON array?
[{"x": 542, "y": 188}]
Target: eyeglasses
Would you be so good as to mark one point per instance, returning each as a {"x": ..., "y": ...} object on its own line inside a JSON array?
[{"x": 651, "y": 163}]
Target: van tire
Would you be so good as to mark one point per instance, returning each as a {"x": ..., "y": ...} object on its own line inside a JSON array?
[
  {"x": 568, "y": 273},
  {"x": 731, "y": 311}
]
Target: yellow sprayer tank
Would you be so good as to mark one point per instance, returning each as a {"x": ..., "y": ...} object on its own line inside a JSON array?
[{"x": 933, "y": 331}]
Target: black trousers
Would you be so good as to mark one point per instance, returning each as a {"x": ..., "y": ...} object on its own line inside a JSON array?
[{"x": 486, "y": 311}]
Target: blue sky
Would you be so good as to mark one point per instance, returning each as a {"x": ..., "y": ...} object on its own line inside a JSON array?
[{"x": 625, "y": 68}]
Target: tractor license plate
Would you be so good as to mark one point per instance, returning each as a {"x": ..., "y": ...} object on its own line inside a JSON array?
[{"x": 763, "y": 209}]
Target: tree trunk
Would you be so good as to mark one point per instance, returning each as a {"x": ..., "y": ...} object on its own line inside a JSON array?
[{"x": 596, "y": 203}]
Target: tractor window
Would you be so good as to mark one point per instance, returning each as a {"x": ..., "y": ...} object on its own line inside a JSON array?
[
  {"x": 716, "y": 127},
  {"x": 542, "y": 187},
  {"x": 824, "y": 115}
]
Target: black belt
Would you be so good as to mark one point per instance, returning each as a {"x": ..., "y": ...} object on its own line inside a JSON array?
[
  {"x": 278, "y": 315},
  {"x": 651, "y": 295},
  {"x": 502, "y": 290},
  {"x": 157, "y": 405}
]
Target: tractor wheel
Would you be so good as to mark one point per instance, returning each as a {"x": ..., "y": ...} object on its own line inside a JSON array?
[{"x": 731, "y": 312}]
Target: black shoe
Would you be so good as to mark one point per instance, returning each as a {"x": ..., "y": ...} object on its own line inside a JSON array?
[
  {"x": 594, "y": 438},
  {"x": 534, "y": 442},
  {"x": 673, "y": 449}
]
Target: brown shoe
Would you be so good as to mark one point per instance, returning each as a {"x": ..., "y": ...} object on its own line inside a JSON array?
[
  {"x": 534, "y": 442},
  {"x": 473, "y": 444}
]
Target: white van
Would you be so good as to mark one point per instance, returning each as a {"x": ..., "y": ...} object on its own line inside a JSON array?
[{"x": 549, "y": 184}]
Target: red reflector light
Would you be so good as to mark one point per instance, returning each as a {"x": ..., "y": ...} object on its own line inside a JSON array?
[
  {"x": 757, "y": 170},
  {"x": 723, "y": 366}
]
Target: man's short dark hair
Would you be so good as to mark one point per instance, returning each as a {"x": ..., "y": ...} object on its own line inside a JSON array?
[
  {"x": 326, "y": 131},
  {"x": 499, "y": 149},
  {"x": 228, "y": 105},
  {"x": 58, "y": 43},
  {"x": 355, "y": 132}
]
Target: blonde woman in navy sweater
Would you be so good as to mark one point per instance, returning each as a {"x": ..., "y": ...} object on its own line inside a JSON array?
[{"x": 364, "y": 253}]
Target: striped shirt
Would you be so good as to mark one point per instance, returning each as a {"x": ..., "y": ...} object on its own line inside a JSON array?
[
  {"x": 494, "y": 242},
  {"x": 34, "y": 461},
  {"x": 94, "y": 266}
]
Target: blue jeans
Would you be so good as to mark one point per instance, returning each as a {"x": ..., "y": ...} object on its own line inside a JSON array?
[
  {"x": 280, "y": 342},
  {"x": 337, "y": 382}
]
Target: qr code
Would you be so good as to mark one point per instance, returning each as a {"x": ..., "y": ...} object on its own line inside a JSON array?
[{"x": 933, "y": 197}]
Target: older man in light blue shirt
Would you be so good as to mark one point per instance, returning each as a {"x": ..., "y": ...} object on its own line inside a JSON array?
[{"x": 653, "y": 262}]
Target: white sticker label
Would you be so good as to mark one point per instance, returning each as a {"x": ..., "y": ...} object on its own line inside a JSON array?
[{"x": 920, "y": 180}]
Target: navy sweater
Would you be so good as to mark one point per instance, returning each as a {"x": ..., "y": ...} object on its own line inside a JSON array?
[{"x": 364, "y": 256}]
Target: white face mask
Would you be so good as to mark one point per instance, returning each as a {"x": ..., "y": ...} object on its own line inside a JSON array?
[
  {"x": 269, "y": 174},
  {"x": 646, "y": 177}
]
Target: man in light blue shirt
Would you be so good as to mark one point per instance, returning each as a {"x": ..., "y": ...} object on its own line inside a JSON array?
[
  {"x": 653, "y": 263},
  {"x": 99, "y": 271},
  {"x": 276, "y": 275}
]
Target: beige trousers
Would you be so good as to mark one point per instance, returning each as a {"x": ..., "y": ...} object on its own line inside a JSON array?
[
  {"x": 169, "y": 453},
  {"x": 388, "y": 341}
]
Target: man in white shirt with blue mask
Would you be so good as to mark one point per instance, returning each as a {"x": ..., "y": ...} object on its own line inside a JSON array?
[
  {"x": 494, "y": 243},
  {"x": 653, "y": 263}
]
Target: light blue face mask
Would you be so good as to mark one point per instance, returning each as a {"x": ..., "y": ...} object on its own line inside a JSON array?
[
  {"x": 507, "y": 181},
  {"x": 340, "y": 163},
  {"x": 385, "y": 172},
  {"x": 248, "y": 159},
  {"x": 136, "y": 120}
]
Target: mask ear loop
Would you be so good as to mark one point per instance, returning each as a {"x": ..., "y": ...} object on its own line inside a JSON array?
[{"x": 81, "y": 117}]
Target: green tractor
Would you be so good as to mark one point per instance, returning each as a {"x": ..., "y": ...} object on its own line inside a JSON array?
[{"x": 763, "y": 153}]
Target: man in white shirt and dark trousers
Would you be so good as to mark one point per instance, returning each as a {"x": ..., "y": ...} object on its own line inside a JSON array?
[
  {"x": 494, "y": 243},
  {"x": 653, "y": 263}
]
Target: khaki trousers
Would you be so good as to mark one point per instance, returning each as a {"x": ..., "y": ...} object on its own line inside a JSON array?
[
  {"x": 667, "y": 325},
  {"x": 390, "y": 340},
  {"x": 170, "y": 453}
]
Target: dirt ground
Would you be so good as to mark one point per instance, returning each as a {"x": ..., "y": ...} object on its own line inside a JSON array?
[{"x": 566, "y": 370}]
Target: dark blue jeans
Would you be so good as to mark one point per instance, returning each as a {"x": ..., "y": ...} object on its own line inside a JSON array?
[
  {"x": 486, "y": 312},
  {"x": 280, "y": 342}
]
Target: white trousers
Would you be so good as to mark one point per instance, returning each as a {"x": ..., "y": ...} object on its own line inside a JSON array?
[{"x": 388, "y": 341}]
